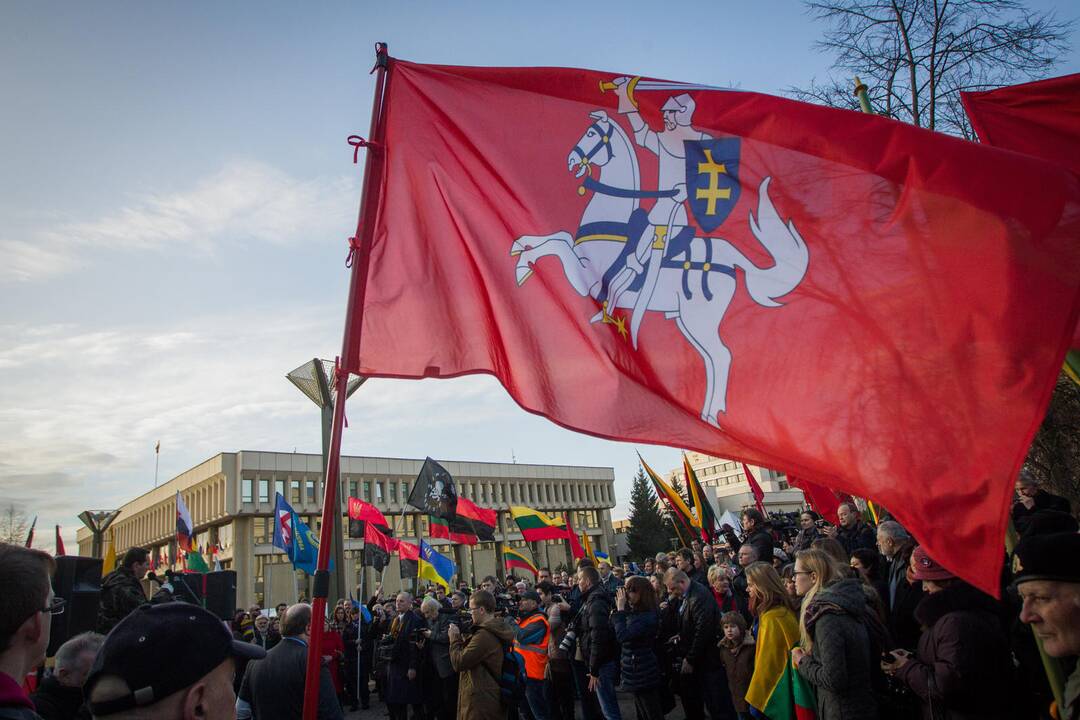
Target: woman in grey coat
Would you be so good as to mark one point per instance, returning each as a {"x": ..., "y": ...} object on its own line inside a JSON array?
[{"x": 837, "y": 655}]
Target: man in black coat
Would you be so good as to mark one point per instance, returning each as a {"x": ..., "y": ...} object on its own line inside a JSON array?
[
  {"x": 596, "y": 641},
  {"x": 702, "y": 679},
  {"x": 1030, "y": 499},
  {"x": 402, "y": 672},
  {"x": 852, "y": 532},
  {"x": 273, "y": 688},
  {"x": 902, "y": 596},
  {"x": 121, "y": 590},
  {"x": 60, "y": 695}
]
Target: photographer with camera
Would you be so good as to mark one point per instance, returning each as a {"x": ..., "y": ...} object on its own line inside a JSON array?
[
  {"x": 438, "y": 644},
  {"x": 478, "y": 658}
]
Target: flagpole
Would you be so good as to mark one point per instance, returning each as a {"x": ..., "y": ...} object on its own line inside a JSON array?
[
  {"x": 360, "y": 257},
  {"x": 157, "y": 459}
]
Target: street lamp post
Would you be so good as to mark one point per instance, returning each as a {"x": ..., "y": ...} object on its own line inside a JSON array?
[
  {"x": 314, "y": 379},
  {"x": 98, "y": 521}
]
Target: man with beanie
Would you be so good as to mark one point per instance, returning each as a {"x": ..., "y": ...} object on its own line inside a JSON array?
[
  {"x": 173, "y": 661},
  {"x": 1047, "y": 576}
]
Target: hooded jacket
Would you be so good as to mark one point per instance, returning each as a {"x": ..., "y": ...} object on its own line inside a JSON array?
[
  {"x": 963, "y": 669},
  {"x": 479, "y": 662},
  {"x": 840, "y": 664}
]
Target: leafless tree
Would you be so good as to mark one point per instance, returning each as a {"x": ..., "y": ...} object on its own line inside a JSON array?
[
  {"x": 1054, "y": 455},
  {"x": 916, "y": 56},
  {"x": 13, "y": 525}
]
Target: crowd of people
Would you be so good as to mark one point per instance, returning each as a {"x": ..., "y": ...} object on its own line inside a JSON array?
[{"x": 873, "y": 626}]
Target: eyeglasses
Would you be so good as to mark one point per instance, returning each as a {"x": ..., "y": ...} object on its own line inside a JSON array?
[
  {"x": 56, "y": 607},
  {"x": 802, "y": 572}
]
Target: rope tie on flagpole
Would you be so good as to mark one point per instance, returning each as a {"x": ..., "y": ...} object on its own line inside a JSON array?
[
  {"x": 337, "y": 376},
  {"x": 354, "y": 247},
  {"x": 358, "y": 142}
]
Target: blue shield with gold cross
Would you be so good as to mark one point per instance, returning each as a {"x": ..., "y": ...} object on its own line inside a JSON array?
[{"x": 712, "y": 180}]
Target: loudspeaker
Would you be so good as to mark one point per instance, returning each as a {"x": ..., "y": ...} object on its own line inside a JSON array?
[
  {"x": 221, "y": 593},
  {"x": 215, "y": 591},
  {"x": 78, "y": 581}
]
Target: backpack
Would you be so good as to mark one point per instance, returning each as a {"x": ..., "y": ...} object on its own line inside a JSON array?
[{"x": 511, "y": 677}]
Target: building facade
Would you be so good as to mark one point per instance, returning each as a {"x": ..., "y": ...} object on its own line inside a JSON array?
[
  {"x": 231, "y": 498},
  {"x": 726, "y": 486}
]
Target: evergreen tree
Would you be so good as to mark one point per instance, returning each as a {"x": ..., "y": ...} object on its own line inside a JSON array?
[{"x": 648, "y": 532}]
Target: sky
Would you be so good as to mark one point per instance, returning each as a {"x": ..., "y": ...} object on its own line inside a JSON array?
[{"x": 176, "y": 192}]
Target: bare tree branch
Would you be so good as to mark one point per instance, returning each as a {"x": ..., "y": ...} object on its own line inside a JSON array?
[{"x": 916, "y": 56}]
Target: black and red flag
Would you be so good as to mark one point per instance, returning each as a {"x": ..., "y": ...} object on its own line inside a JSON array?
[
  {"x": 364, "y": 513},
  {"x": 377, "y": 546},
  {"x": 409, "y": 559}
]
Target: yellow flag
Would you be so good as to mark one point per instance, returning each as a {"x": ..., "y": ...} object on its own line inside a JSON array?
[
  {"x": 109, "y": 564},
  {"x": 587, "y": 546}
]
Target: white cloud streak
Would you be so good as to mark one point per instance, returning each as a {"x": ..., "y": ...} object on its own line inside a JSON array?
[{"x": 244, "y": 202}]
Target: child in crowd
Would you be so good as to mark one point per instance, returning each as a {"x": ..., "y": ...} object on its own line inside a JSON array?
[{"x": 737, "y": 653}]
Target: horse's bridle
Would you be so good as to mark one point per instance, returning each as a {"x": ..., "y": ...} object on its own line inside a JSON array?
[{"x": 603, "y": 143}]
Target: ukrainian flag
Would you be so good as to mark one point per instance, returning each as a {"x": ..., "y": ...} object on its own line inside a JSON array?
[{"x": 435, "y": 567}]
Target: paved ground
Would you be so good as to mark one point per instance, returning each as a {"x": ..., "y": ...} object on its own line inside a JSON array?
[{"x": 626, "y": 703}]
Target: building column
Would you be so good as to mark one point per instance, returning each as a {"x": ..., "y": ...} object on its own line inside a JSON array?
[{"x": 244, "y": 560}]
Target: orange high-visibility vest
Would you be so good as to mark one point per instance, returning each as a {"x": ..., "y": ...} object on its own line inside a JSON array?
[{"x": 535, "y": 656}]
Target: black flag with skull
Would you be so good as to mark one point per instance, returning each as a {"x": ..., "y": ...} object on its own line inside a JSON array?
[{"x": 434, "y": 493}]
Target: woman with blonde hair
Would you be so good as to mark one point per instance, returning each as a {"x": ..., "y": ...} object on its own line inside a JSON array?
[
  {"x": 838, "y": 654},
  {"x": 776, "y": 629}
]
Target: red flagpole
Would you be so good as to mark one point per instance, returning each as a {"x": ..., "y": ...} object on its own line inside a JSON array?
[{"x": 331, "y": 512}]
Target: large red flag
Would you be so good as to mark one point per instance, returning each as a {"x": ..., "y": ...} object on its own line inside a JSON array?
[
  {"x": 1040, "y": 118},
  {"x": 823, "y": 500},
  {"x": 872, "y": 306}
]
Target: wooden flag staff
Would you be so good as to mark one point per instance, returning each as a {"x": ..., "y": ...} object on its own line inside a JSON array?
[{"x": 359, "y": 255}]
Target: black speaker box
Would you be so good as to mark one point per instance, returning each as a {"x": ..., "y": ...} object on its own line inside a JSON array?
[
  {"x": 78, "y": 581},
  {"x": 216, "y": 591}
]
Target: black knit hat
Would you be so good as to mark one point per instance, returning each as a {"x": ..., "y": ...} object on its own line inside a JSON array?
[
  {"x": 1048, "y": 557},
  {"x": 160, "y": 649}
]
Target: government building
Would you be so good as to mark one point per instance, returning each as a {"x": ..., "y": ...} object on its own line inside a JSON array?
[
  {"x": 231, "y": 501},
  {"x": 725, "y": 484}
]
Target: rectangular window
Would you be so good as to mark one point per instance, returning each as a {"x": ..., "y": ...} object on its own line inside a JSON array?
[
  {"x": 260, "y": 525},
  {"x": 404, "y": 491},
  {"x": 310, "y": 490},
  {"x": 352, "y": 488},
  {"x": 247, "y": 489},
  {"x": 367, "y": 491},
  {"x": 378, "y": 492},
  {"x": 294, "y": 494},
  {"x": 264, "y": 490}
]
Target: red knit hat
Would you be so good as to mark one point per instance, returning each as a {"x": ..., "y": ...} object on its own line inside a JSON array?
[{"x": 924, "y": 567}]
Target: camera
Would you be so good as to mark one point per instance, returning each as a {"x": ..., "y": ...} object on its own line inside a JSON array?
[{"x": 569, "y": 642}]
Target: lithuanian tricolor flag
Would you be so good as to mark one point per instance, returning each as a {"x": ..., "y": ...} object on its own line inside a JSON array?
[
  {"x": 515, "y": 558},
  {"x": 777, "y": 691},
  {"x": 535, "y": 525}
]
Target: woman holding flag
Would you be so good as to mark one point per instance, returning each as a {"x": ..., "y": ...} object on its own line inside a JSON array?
[{"x": 776, "y": 630}]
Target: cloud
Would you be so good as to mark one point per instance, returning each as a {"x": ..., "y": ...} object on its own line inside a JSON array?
[{"x": 244, "y": 202}]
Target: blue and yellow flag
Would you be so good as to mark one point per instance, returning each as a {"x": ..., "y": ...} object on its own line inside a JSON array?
[{"x": 435, "y": 567}]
